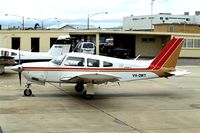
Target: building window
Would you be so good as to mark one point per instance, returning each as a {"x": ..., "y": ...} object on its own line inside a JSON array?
[
  {"x": 144, "y": 40},
  {"x": 189, "y": 43},
  {"x": 196, "y": 43},
  {"x": 171, "y": 28},
  {"x": 52, "y": 41},
  {"x": 15, "y": 42},
  {"x": 148, "y": 40},
  {"x": 184, "y": 44},
  {"x": 151, "y": 39},
  {"x": 151, "y": 17},
  {"x": 35, "y": 44}
]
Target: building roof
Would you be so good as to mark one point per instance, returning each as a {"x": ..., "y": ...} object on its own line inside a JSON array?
[{"x": 76, "y": 27}]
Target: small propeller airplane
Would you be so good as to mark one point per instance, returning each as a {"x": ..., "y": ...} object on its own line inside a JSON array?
[
  {"x": 80, "y": 68},
  {"x": 9, "y": 57}
]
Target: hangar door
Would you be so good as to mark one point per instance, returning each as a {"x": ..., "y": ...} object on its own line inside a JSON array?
[
  {"x": 35, "y": 44},
  {"x": 15, "y": 42},
  {"x": 124, "y": 44}
]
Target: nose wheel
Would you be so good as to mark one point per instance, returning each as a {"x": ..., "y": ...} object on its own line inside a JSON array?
[{"x": 28, "y": 91}]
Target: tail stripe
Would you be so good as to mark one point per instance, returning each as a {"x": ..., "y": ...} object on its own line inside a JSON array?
[
  {"x": 165, "y": 54},
  {"x": 168, "y": 54}
]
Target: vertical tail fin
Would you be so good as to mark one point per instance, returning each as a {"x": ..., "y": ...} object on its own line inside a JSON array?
[
  {"x": 59, "y": 49},
  {"x": 61, "y": 46},
  {"x": 168, "y": 56}
]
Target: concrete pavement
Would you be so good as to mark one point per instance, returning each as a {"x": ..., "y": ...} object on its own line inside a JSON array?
[{"x": 149, "y": 106}]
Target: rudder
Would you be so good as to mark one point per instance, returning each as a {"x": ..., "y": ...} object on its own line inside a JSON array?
[{"x": 169, "y": 55}]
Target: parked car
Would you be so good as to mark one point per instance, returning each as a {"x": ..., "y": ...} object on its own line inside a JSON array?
[{"x": 85, "y": 47}]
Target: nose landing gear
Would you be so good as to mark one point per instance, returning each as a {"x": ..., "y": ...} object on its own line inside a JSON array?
[{"x": 28, "y": 91}]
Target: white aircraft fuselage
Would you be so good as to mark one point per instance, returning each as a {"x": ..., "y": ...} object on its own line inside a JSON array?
[
  {"x": 26, "y": 56},
  {"x": 54, "y": 71}
]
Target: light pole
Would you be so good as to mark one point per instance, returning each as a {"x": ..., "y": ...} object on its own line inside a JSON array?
[
  {"x": 91, "y": 15},
  {"x": 152, "y": 6},
  {"x": 22, "y": 17},
  {"x": 152, "y": 14}
]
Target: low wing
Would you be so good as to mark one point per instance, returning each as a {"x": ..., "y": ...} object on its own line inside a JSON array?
[
  {"x": 179, "y": 72},
  {"x": 96, "y": 78}
]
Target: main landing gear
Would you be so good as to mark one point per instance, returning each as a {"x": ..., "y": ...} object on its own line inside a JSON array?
[
  {"x": 87, "y": 92},
  {"x": 28, "y": 91}
]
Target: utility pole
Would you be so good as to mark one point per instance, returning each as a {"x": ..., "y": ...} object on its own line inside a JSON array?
[{"x": 152, "y": 14}]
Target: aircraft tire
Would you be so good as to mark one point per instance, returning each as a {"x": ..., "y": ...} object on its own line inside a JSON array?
[
  {"x": 79, "y": 87},
  {"x": 2, "y": 73},
  {"x": 27, "y": 92},
  {"x": 87, "y": 96}
]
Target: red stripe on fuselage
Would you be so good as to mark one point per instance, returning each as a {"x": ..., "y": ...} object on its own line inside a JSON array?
[{"x": 82, "y": 69}]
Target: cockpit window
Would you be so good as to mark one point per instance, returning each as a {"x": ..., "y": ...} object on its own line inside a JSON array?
[
  {"x": 74, "y": 61},
  {"x": 92, "y": 62},
  {"x": 4, "y": 53},
  {"x": 107, "y": 64},
  {"x": 13, "y": 54},
  {"x": 58, "y": 60}
]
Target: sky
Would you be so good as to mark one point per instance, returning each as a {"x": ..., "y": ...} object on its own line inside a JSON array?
[{"x": 77, "y": 11}]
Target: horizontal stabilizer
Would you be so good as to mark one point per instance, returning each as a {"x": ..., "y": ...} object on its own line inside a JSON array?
[{"x": 180, "y": 72}]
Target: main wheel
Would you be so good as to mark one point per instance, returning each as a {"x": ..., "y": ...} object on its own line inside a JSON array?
[
  {"x": 79, "y": 87},
  {"x": 87, "y": 96},
  {"x": 27, "y": 92}
]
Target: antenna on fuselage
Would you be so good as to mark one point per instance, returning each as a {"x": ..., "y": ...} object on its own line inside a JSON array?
[{"x": 137, "y": 57}]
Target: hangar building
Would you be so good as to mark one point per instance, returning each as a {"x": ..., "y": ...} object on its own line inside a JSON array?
[{"x": 145, "y": 44}]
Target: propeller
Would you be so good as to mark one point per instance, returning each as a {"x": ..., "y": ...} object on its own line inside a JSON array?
[
  {"x": 20, "y": 78},
  {"x": 20, "y": 68}
]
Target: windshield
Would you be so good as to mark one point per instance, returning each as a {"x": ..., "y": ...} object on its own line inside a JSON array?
[
  {"x": 58, "y": 60},
  {"x": 88, "y": 45},
  {"x": 63, "y": 41}
]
